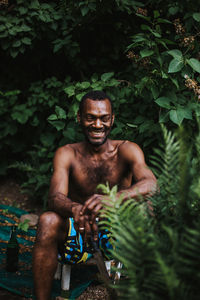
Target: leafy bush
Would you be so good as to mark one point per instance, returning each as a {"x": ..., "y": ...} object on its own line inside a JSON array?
[
  {"x": 160, "y": 254},
  {"x": 23, "y": 118},
  {"x": 164, "y": 65},
  {"x": 144, "y": 54}
]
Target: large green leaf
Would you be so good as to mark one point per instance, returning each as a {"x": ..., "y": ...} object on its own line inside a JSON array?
[
  {"x": 175, "y": 65},
  {"x": 146, "y": 52},
  {"x": 175, "y": 81},
  {"x": 186, "y": 112},
  {"x": 25, "y": 28},
  {"x": 84, "y": 10},
  {"x": 131, "y": 125},
  {"x": 163, "y": 102},
  {"x": 70, "y": 90},
  {"x": 59, "y": 125},
  {"x": 60, "y": 112},
  {"x": 80, "y": 96},
  {"x": 52, "y": 117},
  {"x": 47, "y": 139},
  {"x": 140, "y": 37},
  {"x": 57, "y": 47},
  {"x": 16, "y": 43},
  {"x": 107, "y": 76},
  {"x": 196, "y": 17},
  {"x": 173, "y": 10},
  {"x": 146, "y": 27},
  {"x": 20, "y": 117},
  {"x": 161, "y": 20},
  {"x": 156, "y": 34},
  {"x": 194, "y": 64},
  {"x": 69, "y": 133},
  {"x": 164, "y": 116},
  {"x": 26, "y": 41},
  {"x": 154, "y": 91},
  {"x": 85, "y": 84},
  {"x": 177, "y": 116},
  {"x": 13, "y": 52},
  {"x": 34, "y": 4},
  {"x": 176, "y": 54},
  {"x": 2, "y": 27},
  {"x": 22, "y": 10}
]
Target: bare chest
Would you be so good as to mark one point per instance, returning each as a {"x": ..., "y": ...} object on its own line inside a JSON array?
[{"x": 86, "y": 174}]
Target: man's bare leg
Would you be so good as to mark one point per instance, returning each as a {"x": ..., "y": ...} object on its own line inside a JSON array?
[{"x": 52, "y": 230}]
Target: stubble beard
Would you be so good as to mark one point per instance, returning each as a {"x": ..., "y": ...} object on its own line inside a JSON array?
[
  {"x": 91, "y": 142},
  {"x": 97, "y": 143}
]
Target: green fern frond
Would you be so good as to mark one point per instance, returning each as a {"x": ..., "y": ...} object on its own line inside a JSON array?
[
  {"x": 134, "y": 238},
  {"x": 161, "y": 254},
  {"x": 190, "y": 249},
  {"x": 21, "y": 166},
  {"x": 166, "y": 165}
]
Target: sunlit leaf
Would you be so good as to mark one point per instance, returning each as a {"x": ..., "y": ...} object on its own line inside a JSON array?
[
  {"x": 194, "y": 64},
  {"x": 175, "y": 66}
]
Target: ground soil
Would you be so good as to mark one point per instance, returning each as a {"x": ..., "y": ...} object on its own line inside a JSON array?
[{"x": 11, "y": 194}]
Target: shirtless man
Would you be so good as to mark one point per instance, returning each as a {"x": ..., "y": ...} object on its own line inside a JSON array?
[{"x": 78, "y": 169}]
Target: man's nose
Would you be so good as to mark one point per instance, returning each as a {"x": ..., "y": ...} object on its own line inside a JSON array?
[{"x": 98, "y": 123}]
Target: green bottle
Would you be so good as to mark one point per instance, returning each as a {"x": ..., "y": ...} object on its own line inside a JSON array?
[{"x": 12, "y": 252}]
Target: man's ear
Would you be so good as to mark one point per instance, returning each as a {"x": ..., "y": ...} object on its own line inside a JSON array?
[
  {"x": 113, "y": 118},
  {"x": 79, "y": 117}
]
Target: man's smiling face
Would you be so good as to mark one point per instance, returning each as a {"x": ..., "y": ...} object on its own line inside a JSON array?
[{"x": 96, "y": 120}]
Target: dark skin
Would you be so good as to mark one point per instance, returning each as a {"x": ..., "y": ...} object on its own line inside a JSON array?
[{"x": 78, "y": 169}]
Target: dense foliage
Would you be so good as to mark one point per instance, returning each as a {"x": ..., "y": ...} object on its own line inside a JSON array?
[
  {"x": 160, "y": 252},
  {"x": 145, "y": 55}
]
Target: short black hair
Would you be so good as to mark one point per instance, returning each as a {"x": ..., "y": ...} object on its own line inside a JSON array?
[{"x": 96, "y": 96}]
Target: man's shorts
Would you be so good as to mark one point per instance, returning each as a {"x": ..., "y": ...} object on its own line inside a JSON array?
[{"x": 76, "y": 252}]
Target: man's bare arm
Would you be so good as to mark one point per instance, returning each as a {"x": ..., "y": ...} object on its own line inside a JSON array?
[
  {"x": 145, "y": 181},
  {"x": 58, "y": 200}
]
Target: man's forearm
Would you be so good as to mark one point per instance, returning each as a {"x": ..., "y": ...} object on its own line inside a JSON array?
[
  {"x": 61, "y": 204},
  {"x": 145, "y": 188}
]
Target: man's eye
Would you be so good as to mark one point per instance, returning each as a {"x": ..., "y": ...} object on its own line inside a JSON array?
[
  {"x": 90, "y": 118},
  {"x": 106, "y": 118}
]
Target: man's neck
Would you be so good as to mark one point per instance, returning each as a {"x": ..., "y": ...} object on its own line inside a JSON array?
[{"x": 98, "y": 149}]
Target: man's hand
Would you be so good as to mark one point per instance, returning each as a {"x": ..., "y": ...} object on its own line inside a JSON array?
[
  {"x": 79, "y": 220},
  {"x": 83, "y": 223},
  {"x": 93, "y": 206}
]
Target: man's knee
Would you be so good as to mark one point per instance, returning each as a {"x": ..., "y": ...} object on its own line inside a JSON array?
[
  {"x": 50, "y": 219},
  {"x": 49, "y": 226}
]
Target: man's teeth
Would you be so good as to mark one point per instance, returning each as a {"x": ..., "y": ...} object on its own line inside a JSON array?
[{"x": 97, "y": 132}]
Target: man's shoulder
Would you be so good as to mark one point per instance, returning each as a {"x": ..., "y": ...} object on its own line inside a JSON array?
[
  {"x": 125, "y": 144},
  {"x": 66, "y": 155},
  {"x": 67, "y": 150},
  {"x": 129, "y": 149}
]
